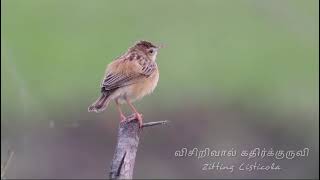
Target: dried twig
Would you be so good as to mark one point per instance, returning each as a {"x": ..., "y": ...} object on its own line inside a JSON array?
[{"x": 155, "y": 123}]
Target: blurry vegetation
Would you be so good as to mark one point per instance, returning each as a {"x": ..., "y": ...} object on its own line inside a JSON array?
[{"x": 261, "y": 53}]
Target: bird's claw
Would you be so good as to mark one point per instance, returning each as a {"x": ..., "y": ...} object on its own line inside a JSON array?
[
  {"x": 139, "y": 118},
  {"x": 122, "y": 118}
]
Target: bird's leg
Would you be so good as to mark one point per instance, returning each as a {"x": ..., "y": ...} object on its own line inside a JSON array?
[
  {"x": 122, "y": 116},
  {"x": 137, "y": 114}
]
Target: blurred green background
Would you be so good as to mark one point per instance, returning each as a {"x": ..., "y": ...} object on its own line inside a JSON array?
[{"x": 232, "y": 73}]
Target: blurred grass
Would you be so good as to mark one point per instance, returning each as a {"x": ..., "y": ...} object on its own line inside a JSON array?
[{"x": 260, "y": 54}]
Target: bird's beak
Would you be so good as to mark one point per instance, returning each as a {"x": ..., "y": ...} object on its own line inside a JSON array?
[{"x": 161, "y": 46}]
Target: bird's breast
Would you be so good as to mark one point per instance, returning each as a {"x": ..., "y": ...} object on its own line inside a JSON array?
[
  {"x": 144, "y": 87},
  {"x": 138, "y": 90}
]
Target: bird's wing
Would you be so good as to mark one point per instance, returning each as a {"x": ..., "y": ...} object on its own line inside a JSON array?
[
  {"x": 124, "y": 72},
  {"x": 116, "y": 80}
]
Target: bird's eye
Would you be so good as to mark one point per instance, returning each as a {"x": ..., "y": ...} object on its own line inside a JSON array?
[{"x": 151, "y": 51}]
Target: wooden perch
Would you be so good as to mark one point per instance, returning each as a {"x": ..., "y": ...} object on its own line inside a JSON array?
[{"x": 127, "y": 145}]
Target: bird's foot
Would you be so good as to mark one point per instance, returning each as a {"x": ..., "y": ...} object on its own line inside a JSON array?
[
  {"x": 135, "y": 116},
  {"x": 139, "y": 118},
  {"x": 122, "y": 118}
]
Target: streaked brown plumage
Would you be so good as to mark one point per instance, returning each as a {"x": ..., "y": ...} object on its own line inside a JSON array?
[{"x": 128, "y": 78}]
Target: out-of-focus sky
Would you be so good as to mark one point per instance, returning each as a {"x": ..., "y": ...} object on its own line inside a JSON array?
[{"x": 229, "y": 70}]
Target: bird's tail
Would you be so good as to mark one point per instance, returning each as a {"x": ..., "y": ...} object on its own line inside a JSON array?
[{"x": 100, "y": 104}]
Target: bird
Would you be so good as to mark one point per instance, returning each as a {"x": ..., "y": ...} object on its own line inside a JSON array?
[{"x": 129, "y": 78}]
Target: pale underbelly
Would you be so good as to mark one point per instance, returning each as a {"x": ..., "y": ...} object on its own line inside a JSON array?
[{"x": 136, "y": 91}]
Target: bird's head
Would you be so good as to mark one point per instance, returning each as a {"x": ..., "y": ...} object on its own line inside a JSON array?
[{"x": 146, "y": 47}]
